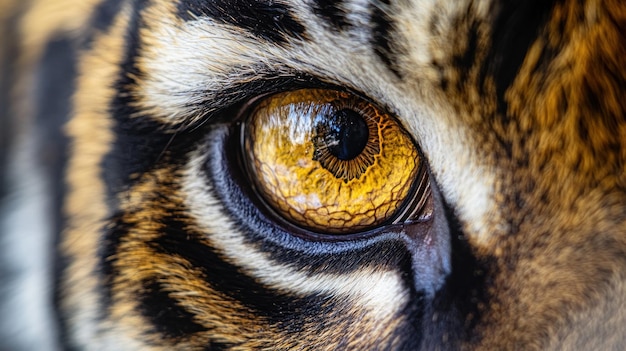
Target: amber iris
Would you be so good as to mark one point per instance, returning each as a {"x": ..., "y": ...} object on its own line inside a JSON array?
[{"x": 328, "y": 160}]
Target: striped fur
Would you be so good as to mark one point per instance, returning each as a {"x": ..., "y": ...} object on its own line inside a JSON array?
[{"x": 129, "y": 223}]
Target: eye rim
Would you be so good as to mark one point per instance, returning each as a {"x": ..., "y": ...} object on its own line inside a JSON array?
[
  {"x": 415, "y": 208},
  {"x": 425, "y": 243}
]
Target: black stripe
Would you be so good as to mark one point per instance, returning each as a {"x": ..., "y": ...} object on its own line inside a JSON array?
[
  {"x": 116, "y": 230},
  {"x": 101, "y": 19},
  {"x": 9, "y": 51},
  {"x": 266, "y": 19},
  {"x": 53, "y": 91},
  {"x": 332, "y": 12},
  {"x": 140, "y": 142},
  {"x": 464, "y": 61},
  {"x": 287, "y": 311},
  {"x": 168, "y": 318},
  {"x": 516, "y": 25},
  {"x": 281, "y": 310},
  {"x": 104, "y": 14},
  {"x": 122, "y": 161},
  {"x": 382, "y": 32},
  {"x": 54, "y": 87}
]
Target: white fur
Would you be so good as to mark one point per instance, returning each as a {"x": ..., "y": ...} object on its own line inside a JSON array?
[{"x": 26, "y": 247}]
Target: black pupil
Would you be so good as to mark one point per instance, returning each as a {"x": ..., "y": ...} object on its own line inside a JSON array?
[{"x": 346, "y": 134}]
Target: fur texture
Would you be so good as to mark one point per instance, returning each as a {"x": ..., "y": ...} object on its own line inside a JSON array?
[{"x": 129, "y": 220}]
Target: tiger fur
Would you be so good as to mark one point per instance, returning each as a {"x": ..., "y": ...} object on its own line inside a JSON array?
[{"x": 128, "y": 222}]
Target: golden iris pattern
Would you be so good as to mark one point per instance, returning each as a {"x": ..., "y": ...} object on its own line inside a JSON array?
[{"x": 328, "y": 160}]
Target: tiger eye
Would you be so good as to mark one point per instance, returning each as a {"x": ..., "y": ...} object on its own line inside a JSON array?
[{"x": 328, "y": 160}]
